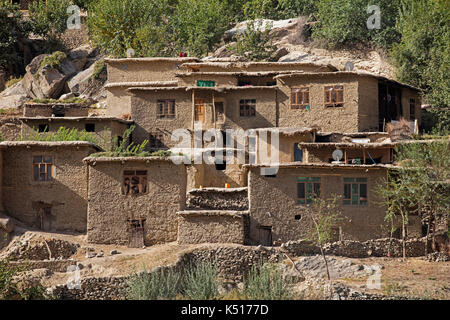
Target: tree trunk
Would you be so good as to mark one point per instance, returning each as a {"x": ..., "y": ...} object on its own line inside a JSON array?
[
  {"x": 404, "y": 237},
  {"x": 428, "y": 232}
]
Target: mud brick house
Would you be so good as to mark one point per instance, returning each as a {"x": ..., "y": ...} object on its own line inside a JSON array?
[
  {"x": 44, "y": 184},
  {"x": 329, "y": 124},
  {"x": 134, "y": 200},
  {"x": 106, "y": 130},
  {"x": 277, "y": 202},
  {"x": 40, "y": 118},
  {"x": 138, "y": 72},
  {"x": 233, "y": 95}
]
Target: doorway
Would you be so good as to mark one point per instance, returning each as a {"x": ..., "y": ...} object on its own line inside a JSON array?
[
  {"x": 265, "y": 236},
  {"x": 298, "y": 153},
  {"x": 199, "y": 110},
  {"x": 136, "y": 233}
]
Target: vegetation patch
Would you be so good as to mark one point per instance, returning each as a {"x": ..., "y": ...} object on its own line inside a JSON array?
[
  {"x": 99, "y": 67},
  {"x": 12, "y": 289},
  {"x": 54, "y": 60},
  {"x": 63, "y": 134},
  {"x": 55, "y": 101},
  {"x": 12, "y": 81}
]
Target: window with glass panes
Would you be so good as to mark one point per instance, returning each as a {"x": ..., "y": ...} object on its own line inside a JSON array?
[
  {"x": 355, "y": 191},
  {"x": 166, "y": 109},
  {"x": 42, "y": 168},
  {"x": 307, "y": 189}
]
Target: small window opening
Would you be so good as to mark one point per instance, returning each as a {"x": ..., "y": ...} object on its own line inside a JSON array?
[
  {"x": 134, "y": 182},
  {"x": 297, "y": 217},
  {"x": 43, "y": 128},
  {"x": 90, "y": 127}
]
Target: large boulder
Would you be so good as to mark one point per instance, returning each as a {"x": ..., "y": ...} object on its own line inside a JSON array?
[
  {"x": 14, "y": 96},
  {"x": 88, "y": 85},
  {"x": 82, "y": 56},
  {"x": 45, "y": 81}
]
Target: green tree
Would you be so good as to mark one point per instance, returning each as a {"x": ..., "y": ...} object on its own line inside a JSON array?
[
  {"x": 256, "y": 42},
  {"x": 48, "y": 18},
  {"x": 12, "y": 30},
  {"x": 116, "y": 26},
  {"x": 419, "y": 185},
  {"x": 342, "y": 22},
  {"x": 422, "y": 57},
  {"x": 198, "y": 25},
  {"x": 323, "y": 215},
  {"x": 278, "y": 9}
]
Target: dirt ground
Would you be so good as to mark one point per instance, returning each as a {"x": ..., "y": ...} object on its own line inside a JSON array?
[{"x": 415, "y": 277}]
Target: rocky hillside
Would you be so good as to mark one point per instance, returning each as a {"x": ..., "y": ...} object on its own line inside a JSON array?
[
  {"x": 292, "y": 39},
  {"x": 80, "y": 72}
]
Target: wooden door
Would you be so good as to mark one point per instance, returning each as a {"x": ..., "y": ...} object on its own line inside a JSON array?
[
  {"x": 199, "y": 110},
  {"x": 265, "y": 236},
  {"x": 136, "y": 233}
]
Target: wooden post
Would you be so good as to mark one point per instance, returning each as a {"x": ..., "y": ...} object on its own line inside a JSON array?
[
  {"x": 214, "y": 110},
  {"x": 364, "y": 156},
  {"x": 345, "y": 156}
]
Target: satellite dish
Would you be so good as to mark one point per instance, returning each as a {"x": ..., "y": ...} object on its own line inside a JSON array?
[
  {"x": 349, "y": 66},
  {"x": 337, "y": 155},
  {"x": 130, "y": 53}
]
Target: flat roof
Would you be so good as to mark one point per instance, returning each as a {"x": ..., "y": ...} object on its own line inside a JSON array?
[
  {"x": 354, "y": 73},
  {"x": 49, "y": 144},
  {"x": 151, "y": 59},
  {"x": 365, "y": 145},
  {"x": 213, "y": 213},
  {"x": 320, "y": 165},
  {"x": 233, "y": 73},
  {"x": 142, "y": 84},
  {"x": 217, "y": 89},
  {"x": 77, "y": 119},
  {"x": 238, "y": 64},
  {"x": 93, "y": 160},
  {"x": 287, "y": 130}
]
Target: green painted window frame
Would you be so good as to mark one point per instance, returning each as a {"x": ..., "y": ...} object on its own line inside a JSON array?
[
  {"x": 309, "y": 187},
  {"x": 206, "y": 83},
  {"x": 353, "y": 188}
]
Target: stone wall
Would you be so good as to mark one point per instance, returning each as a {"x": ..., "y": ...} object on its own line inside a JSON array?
[
  {"x": 39, "y": 249},
  {"x": 10, "y": 129},
  {"x": 233, "y": 262},
  {"x": 210, "y": 226},
  {"x": 235, "y": 199},
  {"x": 357, "y": 249}
]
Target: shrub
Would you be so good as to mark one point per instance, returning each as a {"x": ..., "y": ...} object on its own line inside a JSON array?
[
  {"x": 255, "y": 43},
  {"x": 124, "y": 149},
  {"x": 200, "y": 282},
  {"x": 116, "y": 26},
  {"x": 154, "y": 285},
  {"x": 266, "y": 282},
  {"x": 12, "y": 81},
  {"x": 278, "y": 9},
  {"x": 48, "y": 18},
  {"x": 198, "y": 25},
  {"x": 99, "y": 67},
  {"x": 54, "y": 60},
  {"x": 63, "y": 134},
  {"x": 54, "y": 101},
  {"x": 9, "y": 289}
]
